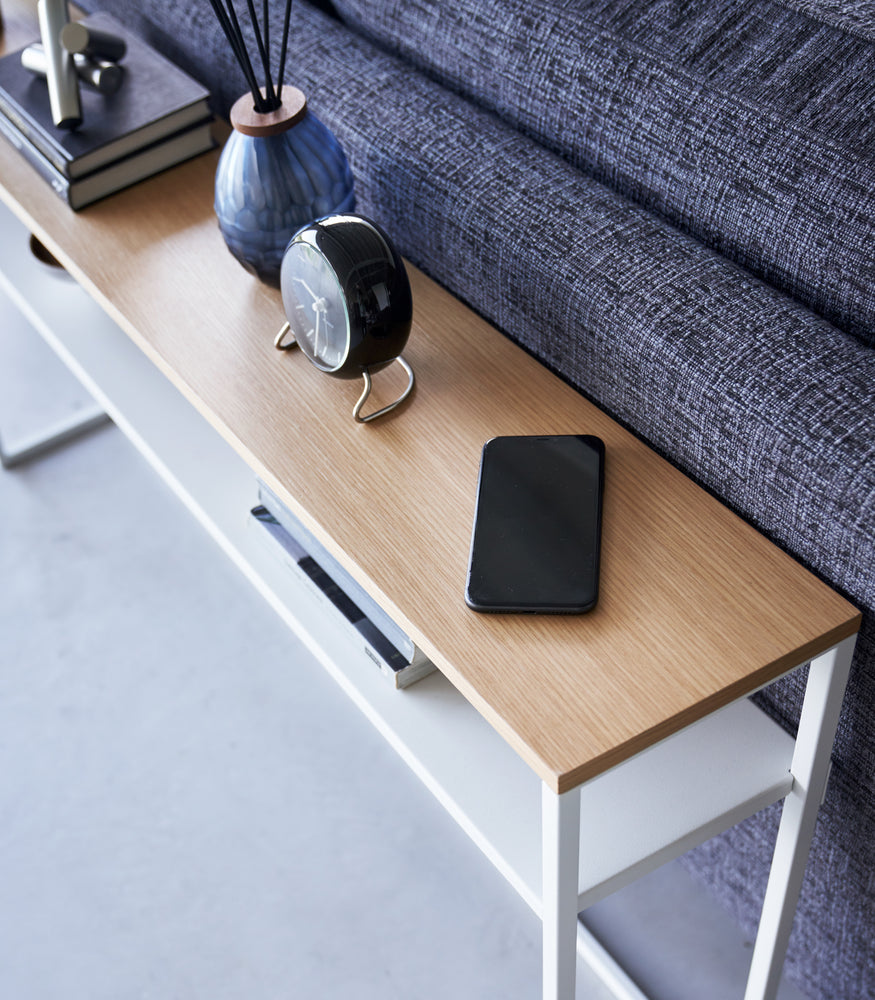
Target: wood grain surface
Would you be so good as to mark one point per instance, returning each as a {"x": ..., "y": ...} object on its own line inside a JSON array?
[{"x": 696, "y": 608}]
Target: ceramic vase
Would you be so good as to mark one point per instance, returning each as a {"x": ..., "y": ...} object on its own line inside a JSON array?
[{"x": 279, "y": 171}]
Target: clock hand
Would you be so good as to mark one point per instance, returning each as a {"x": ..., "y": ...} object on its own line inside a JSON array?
[
  {"x": 320, "y": 307},
  {"x": 318, "y": 312},
  {"x": 309, "y": 290}
]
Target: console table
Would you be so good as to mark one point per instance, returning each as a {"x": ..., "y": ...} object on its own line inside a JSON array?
[{"x": 578, "y": 752}]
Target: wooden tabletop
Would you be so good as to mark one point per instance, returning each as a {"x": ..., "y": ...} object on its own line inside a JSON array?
[{"x": 696, "y": 608}]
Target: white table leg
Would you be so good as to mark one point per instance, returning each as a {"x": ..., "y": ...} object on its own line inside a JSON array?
[
  {"x": 560, "y": 847},
  {"x": 53, "y": 437},
  {"x": 825, "y": 690}
]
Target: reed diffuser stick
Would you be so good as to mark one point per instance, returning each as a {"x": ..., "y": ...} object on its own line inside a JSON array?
[
  {"x": 235, "y": 40},
  {"x": 284, "y": 48},
  {"x": 244, "y": 60},
  {"x": 270, "y": 93},
  {"x": 268, "y": 97}
]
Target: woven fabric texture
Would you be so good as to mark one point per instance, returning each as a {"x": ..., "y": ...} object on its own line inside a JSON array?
[
  {"x": 855, "y": 16},
  {"x": 755, "y": 395},
  {"x": 750, "y": 125}
]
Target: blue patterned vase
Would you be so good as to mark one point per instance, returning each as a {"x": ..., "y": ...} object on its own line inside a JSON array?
[{"x": 278, "y": 172}]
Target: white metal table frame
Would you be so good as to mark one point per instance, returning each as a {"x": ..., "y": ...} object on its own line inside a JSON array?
[
  {"x": 46, "y": 440},
  {"x": 561, "y": 831},
  {"x": 559, "y": 898},
  {"x": 561, "y": 814}
]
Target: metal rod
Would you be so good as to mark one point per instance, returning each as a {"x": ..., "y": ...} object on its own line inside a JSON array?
[
  {"x": 104, "y": 76},
  {"x": 65, "y": 430},
  {"x": 357, "y": 409},
  {"x": 827, "y": 678},
  {"x": 60, "y": 72},
  {"x": 560, "y": 855}
]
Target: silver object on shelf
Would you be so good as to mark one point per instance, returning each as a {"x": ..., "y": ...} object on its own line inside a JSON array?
[
  {"x": 357, "y": 409},
  {"x": 80, "y": 39},
  {"x": 281, "y": 343},
  {"x": 60, "y": 71},
  {"x": 104, "y": 76}
]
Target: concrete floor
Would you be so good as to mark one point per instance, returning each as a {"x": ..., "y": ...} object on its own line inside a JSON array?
[{"x": 190, "y": 807}]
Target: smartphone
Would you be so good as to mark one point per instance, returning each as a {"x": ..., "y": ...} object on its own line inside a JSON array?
[{"x": 536, "y": 541}]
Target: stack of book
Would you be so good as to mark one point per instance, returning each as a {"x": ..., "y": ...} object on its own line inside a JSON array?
[
  {"x": 158, "y": 117},
  {"x": 398, "y": 658}
]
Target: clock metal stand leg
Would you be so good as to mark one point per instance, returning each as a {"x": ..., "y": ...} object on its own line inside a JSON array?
[
  {"x": 281, "y": 343},
  {"x": 824, "y": 692},
  {"x": 560, "y": 853},
  {"x": 357, "y": 409}
]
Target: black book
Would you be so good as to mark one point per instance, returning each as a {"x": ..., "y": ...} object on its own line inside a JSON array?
[
  {"x": 122, "y": 173},
  {"x": 156, "y": 100},
  {"x": 401, "y": 667},
  {"x": 309, "y": 542}
]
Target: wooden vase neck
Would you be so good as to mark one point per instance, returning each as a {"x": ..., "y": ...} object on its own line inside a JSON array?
[{"x": 245, "y": 119}]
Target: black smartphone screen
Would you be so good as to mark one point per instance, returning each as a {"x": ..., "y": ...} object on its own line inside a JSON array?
[{"x": 537, "y": 527}]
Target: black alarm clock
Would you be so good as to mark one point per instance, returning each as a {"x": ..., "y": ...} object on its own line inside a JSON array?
[{"x": 347, "y": 301}]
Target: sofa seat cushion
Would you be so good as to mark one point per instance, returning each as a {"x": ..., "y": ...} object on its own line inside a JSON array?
[
  {"x": 750, "y": 125},
  {"x": 855, "y": 16}
]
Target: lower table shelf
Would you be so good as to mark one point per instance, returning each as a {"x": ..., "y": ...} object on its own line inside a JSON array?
[{"x": 633, "y": 818}]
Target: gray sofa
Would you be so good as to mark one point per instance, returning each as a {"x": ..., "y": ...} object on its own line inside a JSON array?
[{"x": 673, "y": 206}]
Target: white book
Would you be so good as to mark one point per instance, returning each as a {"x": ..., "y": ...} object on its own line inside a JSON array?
[
  {"x": 396, "y": 635},
  {"x": 402, "y": 665}
]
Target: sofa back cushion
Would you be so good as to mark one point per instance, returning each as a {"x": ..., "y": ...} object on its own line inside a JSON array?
[{"x": 749, "y": 125}]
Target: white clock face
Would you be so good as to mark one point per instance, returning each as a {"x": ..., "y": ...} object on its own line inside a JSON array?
[{"x": 315, "y": 306}]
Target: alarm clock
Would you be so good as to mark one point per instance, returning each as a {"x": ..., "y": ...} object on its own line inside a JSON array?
[{"x": 347, "y": 301}]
